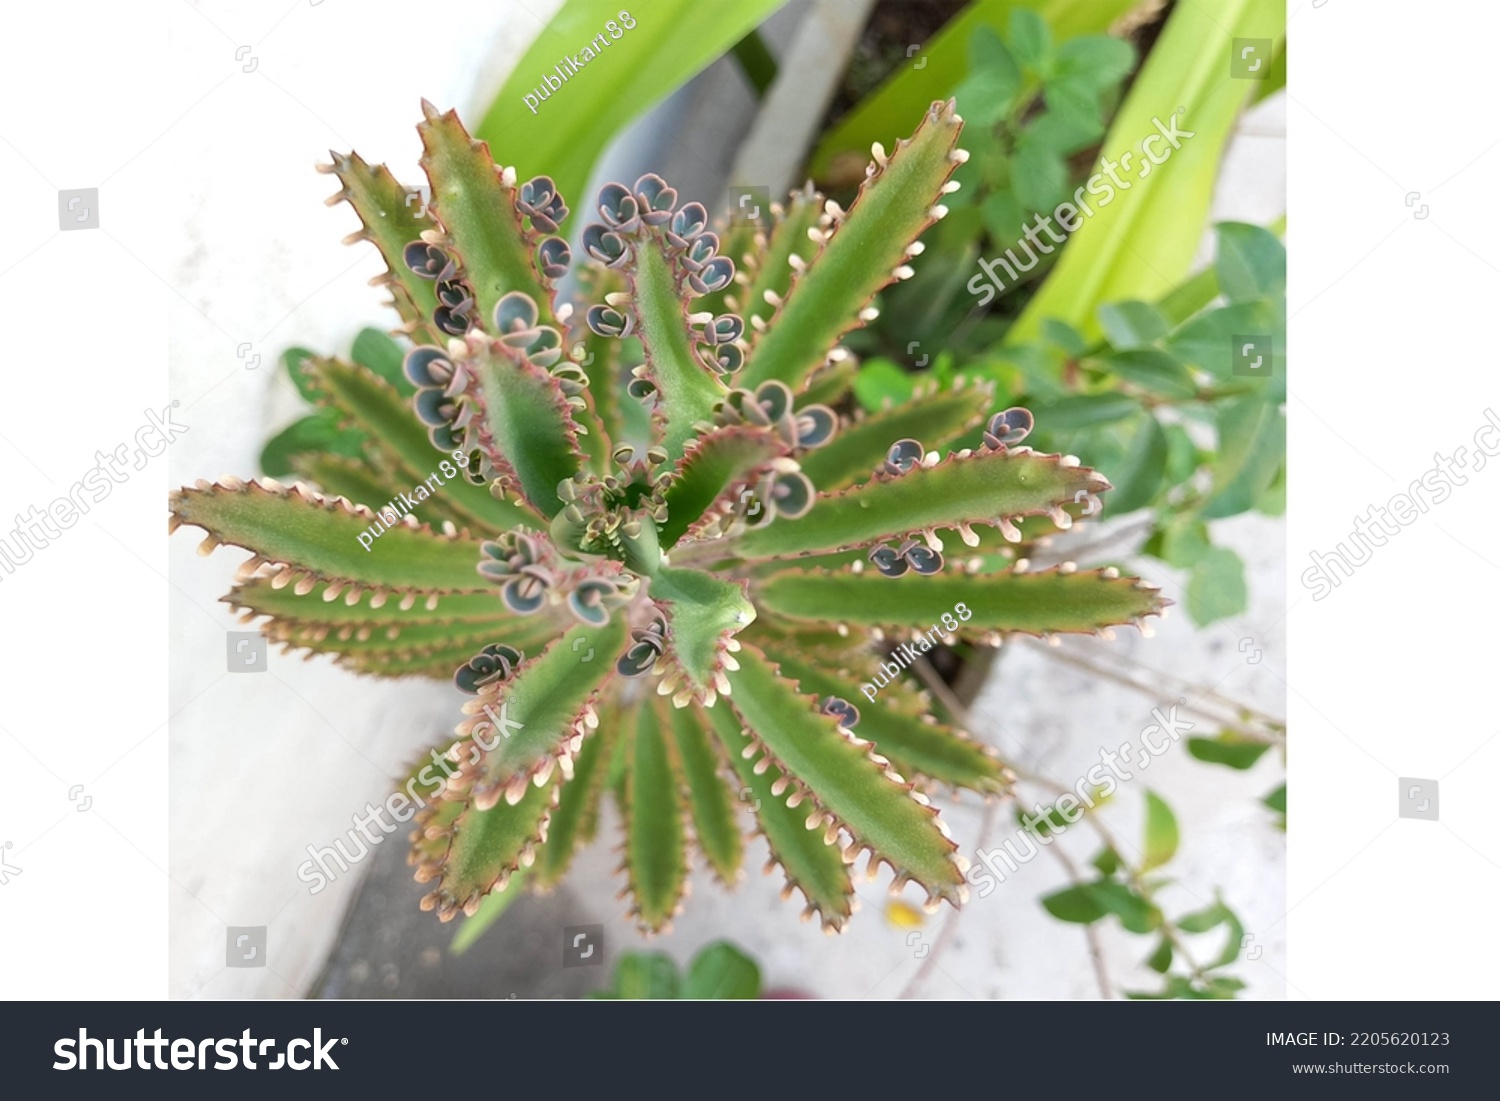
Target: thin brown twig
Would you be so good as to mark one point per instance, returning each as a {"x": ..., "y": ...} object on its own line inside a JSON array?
[{"x": 1090, "y": 931}]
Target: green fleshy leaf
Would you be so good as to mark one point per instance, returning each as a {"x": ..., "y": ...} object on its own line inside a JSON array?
[
  {"x": 655, "y": 843},
  {"x": 1033, "y": 603},
  {"x": 376, "y": 407},
  {"x": 843, "y": 778},
  {"x": 813, "y": 866},
  {"x": 262, "y": 598},
  {"x": 701, "y": 610},
  {"x": 320, "y": 538},
  {"x": 479, "y": 212},
  {"x": 575, "y": 813},
  {"x": 978, "y": 489},
  {"x": 543, "y": 702},
  {"x": 710, "y": 798},
  {"x": 530, "y": 424},
  {"x": 490, "y": 910},
  {"x": 859, "y": 448},
  {"x": 686, "y": 388},
  {"x": 488, "y": 844},
  {"x": 913, "y": 747},
  {"x": 391, "y": 223},
  {"x": 773, "y": 271},
  {"x": 318, "y": 433},
  {"x": 718, "y": 461},
  {"x": 890, "y": 213},
  {"x": 375, "y": 350}
]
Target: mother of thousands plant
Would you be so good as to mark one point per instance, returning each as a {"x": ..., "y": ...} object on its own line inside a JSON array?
[{"x": 721, "y": 559}]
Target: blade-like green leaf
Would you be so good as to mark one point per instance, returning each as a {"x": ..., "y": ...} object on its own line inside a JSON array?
[
  {"x": 860, "y": 448},
  {"x": 655, "y": 845},
  {"x": 861, "y": 255},
  {"x": 318, "y": 434},
  {"x": 336, "y": 476},
  {"x": 944, "y": 63},
  {"x": 262, "y": 598},
  {"x": 913, "y": 747},
  {"x": 375, "y": 350},
  {"x": 847, "y": 784},
  {"x": 628, "y": 66},
  {"x": 980, "y": 488},
  {"x": 1141, "y": 243},
  {"x": 811, "y": 864},
  {"x": 710, "y": 798},
  {"x": 772, "y": 269},
  {"x": 319, "y": 538},
  {"x": 490, "y": 911}
]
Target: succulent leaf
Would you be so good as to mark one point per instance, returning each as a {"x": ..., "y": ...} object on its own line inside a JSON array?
[
  {"x": 714, "y": 474},
  {"x": 655, "y": 842},
  {"x": 373, "y": 405},
  {"x": 390, "y": 224},
  {"x": 861, "y": 448},
  {"x": 979, "y": 488},
  {"x": 536, "y": 718},
  {"x": 477, "y": 208},
  {"x": 863, "y": 251},
  {"x": 811, "y": 864},
  {"x": 914, "y": 747},
  {"x": 317, "y": 539},
  {"x": 851, "y": 786},
  {"x": 686, "y": 388},
  {"x": 710, "y": 798},
  {"x": 1047, "y": 602}
]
